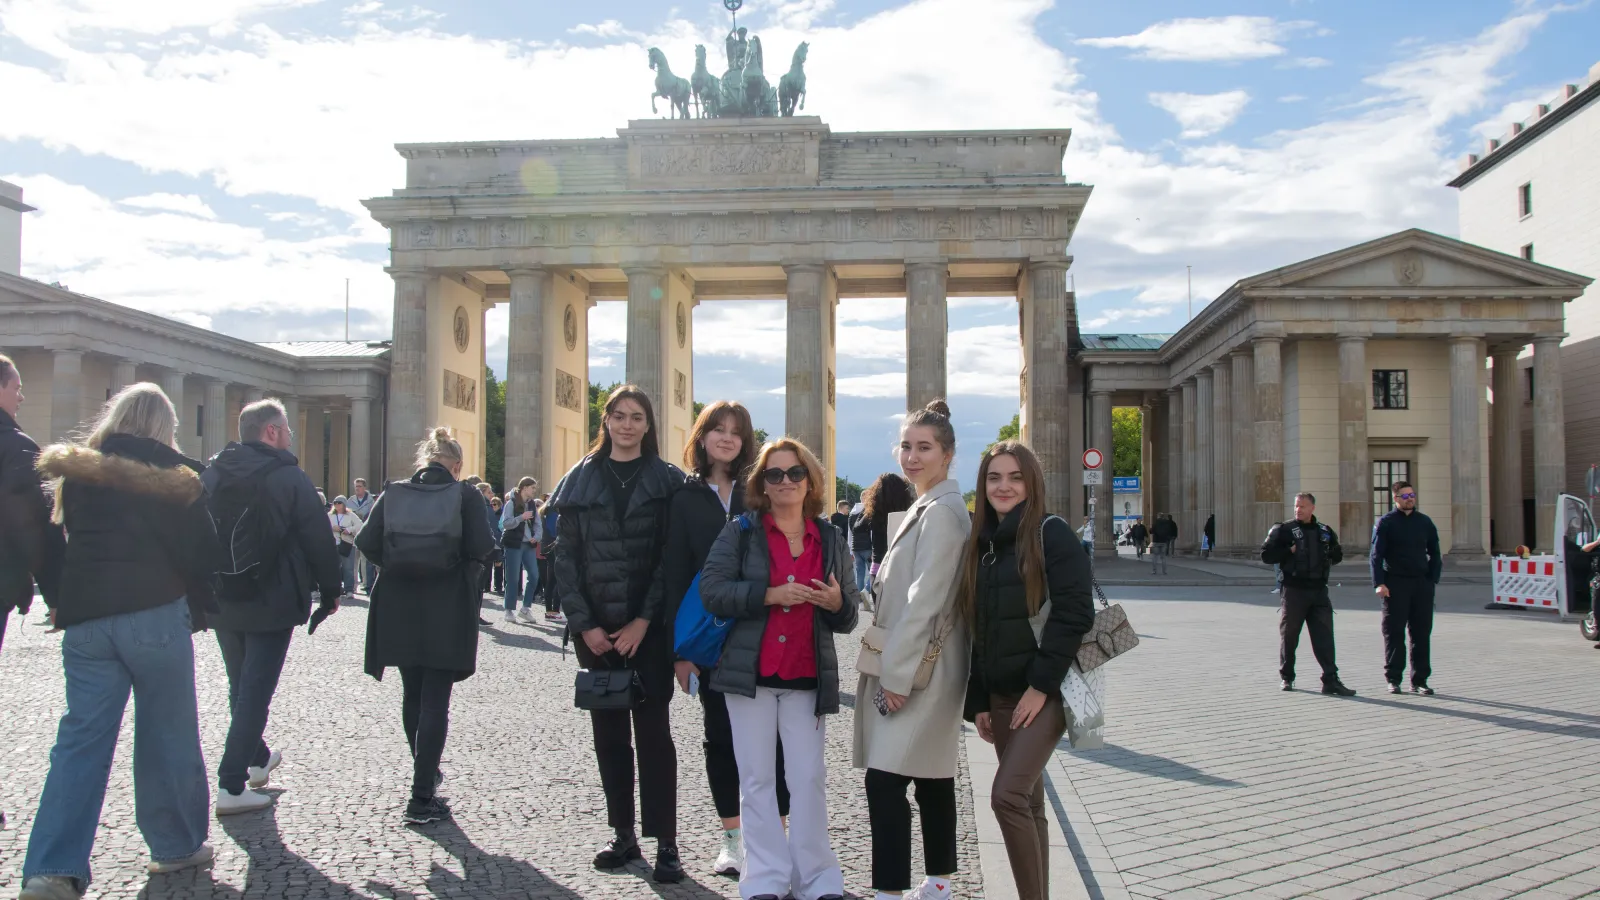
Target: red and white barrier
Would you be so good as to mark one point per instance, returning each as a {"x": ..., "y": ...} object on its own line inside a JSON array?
[{"x": 1537, "y": 582}]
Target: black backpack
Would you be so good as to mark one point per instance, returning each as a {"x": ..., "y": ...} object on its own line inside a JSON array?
[
  {"x": 244, "y": 525},
  {"x": 422, "y": 528}
]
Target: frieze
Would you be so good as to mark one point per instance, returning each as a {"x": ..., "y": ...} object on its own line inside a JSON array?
[
  {"x": 569, "y": 391},
  {"x": 736, "y": 160},
  {"x": 460, "y": 392}
]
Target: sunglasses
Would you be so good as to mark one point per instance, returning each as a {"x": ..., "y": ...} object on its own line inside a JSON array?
[
  {"x": 1407, "y": 496},
  {"x": 796, "y": 474}
]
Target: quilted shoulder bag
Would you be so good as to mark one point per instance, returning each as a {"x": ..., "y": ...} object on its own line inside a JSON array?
[{"x": 1111, "y": 635}]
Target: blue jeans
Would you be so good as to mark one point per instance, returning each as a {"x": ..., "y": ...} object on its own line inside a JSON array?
[
  {"x": 254, "y": 660},
  {"x": 519, "y": 560},
  {"x": 149, "y": 652},
  {"x": 347, "y": 573},
  {"x": 863, "y": 565}
]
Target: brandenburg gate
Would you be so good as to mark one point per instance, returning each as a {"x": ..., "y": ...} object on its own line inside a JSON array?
[{"x": 674, "y": 212}]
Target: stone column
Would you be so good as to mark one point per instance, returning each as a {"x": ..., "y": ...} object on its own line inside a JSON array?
[
  {"x": 217, "y": 433},
  {"x": 529, "y": 392},
  {"x": 1148, "y": 464},
  {"x": 313, "y": 458},
  {"x": 1222, "y": 451},
  {"x": 66, "y": 393},
  {"x": 1505, "y": 451},
  {"x": 1049, "y": 315},
  {"x": 361, "y": 444},
  {"x": 647, "y": 289},
  {"x": 1173, "y": 429},
  {"x": 927, "y": 332},
  {"x": 1100, "y": 437},
  {"x": 124, "y": 373},
  {"x": 1549, "y": 437},
  {"x": 408, "y": 368},
  {"x": 1188, "y": 529},
  {"x": 291, "y": 411},
  {"x": 1466, "y": 468},
  {"x": 1355, "y": 465},
  {"x": 172, "y": 386},
  {"x": 1205, "y": 436},
  {"x": 1242, "y": 530},
  {"x": 807, "y": 365},
  {"x": 339, "y": 453},
  {"x": 1267, "y": 477}
]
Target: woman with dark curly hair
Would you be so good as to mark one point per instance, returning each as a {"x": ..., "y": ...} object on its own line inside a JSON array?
[{"x": 888, "y": 495}]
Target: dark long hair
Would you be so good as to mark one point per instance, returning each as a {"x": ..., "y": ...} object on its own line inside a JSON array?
[
  {"x": 695, "y": 458},
  {"x": 647, "y": 447},
  {"x": 891, "y": 493},
  {"x": 1030, "y": 549}
]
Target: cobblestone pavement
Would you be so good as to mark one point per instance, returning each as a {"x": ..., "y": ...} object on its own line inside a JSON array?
[
  {"x": 1216, "y": 784},
  {"x": 529, "y": 813}
]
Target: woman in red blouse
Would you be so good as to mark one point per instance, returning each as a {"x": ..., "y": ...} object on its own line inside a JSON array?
[{"x": 785, "y": 574}]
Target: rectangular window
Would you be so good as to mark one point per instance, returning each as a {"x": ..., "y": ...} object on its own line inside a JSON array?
[
  {"x": 1527, "y": 252},
  {"x": 1525, "y": 200},
  {"x": 1384, "y": 473},
  {"x": 1389, "y": 389}
]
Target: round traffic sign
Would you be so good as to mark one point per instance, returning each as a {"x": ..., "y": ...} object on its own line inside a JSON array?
[{"x": 1092, "y": 458}]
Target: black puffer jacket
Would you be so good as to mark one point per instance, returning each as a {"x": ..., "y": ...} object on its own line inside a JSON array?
[
  {"x": 24, "y": 514},
  {"x": 431, "y": 622},
  {"x": 608, "y": 572},
  {"x": 735, "y": 586},
  {"x": 697, "y": 518},
  {"x": 1006, "y": 658},
  {"x": 139, "y": 536}
]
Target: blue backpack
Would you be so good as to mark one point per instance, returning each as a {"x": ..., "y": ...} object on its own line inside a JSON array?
[{"x": 697, "y": 635}]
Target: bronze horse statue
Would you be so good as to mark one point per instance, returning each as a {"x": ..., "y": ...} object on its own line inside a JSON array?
[
  {"x": 707, "y": 89},
  {"x": 792, "y": 86},
  {"x": 759, "y": 96},
  {"x": 669, "y": 86}
]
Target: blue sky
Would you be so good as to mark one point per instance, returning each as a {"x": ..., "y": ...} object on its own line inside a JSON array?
[{"x": 205, "y": 159}]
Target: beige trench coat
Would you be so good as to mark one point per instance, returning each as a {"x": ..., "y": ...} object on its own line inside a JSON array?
[{"x": 916, "y": 590}]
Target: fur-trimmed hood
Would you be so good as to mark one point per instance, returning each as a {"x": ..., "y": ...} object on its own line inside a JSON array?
[{"x": 126, "y": 463}]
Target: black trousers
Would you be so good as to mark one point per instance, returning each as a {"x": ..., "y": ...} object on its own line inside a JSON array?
[
  {"x": 547, "y": 586},
  {"x": 890, "y": 814},
  {"x": 425, "y": 714},
  {"x": 500, "y": 579},
  {"x": 722, "y": 769},
  {"x": 1409, "y": 607},
  {"x": 1309, "y": 607},
  {"x": 649, "y": 726}
]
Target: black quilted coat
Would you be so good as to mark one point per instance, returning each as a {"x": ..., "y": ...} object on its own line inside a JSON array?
[{"x": 608, "y": 572}]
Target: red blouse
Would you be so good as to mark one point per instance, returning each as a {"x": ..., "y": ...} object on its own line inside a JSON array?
[{"x": 787, "y": 649}]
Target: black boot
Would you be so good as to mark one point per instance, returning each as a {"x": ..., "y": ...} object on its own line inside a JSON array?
[
  {"x": 621, "y": 849},
  {"x": 668, "y": 869}
]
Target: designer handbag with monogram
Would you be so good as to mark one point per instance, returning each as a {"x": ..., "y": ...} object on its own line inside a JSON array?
[{"x": 1111, "y": 635}]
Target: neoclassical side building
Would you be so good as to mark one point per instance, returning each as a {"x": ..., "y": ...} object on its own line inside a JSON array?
[{"x": 1340, "y": 374}]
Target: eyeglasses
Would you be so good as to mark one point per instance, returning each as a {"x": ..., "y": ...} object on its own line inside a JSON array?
[
  {"x": 796, "y": 475},
  {"x": 1407, "y": 496}
]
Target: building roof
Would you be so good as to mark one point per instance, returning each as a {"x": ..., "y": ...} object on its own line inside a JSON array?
[
  {"x": 1545, "y": 117},
  {"x": 1124, "y": 341},
  {"x": 307, "y": 349}
]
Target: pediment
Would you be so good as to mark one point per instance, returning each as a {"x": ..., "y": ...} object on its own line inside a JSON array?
[{"x": 1417, "y": 260}]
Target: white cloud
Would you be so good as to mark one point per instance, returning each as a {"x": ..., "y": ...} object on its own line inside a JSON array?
[
  {"x": 188, "y": 204},
  {"x": 608, "y": 28},
  {"x": 1217, "y": 39},
  {"x": 1201, "y": 115},
  {"x": 1306, "y": 62}
]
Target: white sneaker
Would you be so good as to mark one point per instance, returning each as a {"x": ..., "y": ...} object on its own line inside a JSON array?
[
  {"x": 511, "y": 615},
  {"x": 259, "y": 775},
  {"x": 730, "y": 860},
  {"x": 242, "y": 802},
  {"x": 527, "y": 615},
  {"x": 930, "y": 890},
  {"x": 202, "y": 858},
  {"x": 50, "y": 887}
]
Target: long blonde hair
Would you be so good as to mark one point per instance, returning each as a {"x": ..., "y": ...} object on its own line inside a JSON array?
[
  {"x": 439, "y": 446},
  {"x": 142, "y": 410}
]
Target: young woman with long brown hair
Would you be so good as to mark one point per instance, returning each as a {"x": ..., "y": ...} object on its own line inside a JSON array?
[{"x": 1018, "y": 561}]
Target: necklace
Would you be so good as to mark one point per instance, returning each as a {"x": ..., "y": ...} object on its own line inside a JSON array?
[{"x": 622, "y": 482}]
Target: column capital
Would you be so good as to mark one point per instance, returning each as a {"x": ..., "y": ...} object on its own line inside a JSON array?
[
  {"x": 931, "y": 262},
  {"x": 1203, "y": 375},
  {"x": 403, "y": 273},
  {"x": 515, "y": 271},
  {"x": 1176, "y": 391},
  {"x": 644, "y": 268},
  {"x": 1100, "y": 392},
  {"x": 1243, "y": 351},
  {"x": 1462, "y": 337},
  {"x": 1512, "y": 348},
  {"x": 1050, "y": 262},
  {"x": 1267, "y": 339},
  {"x": 1352, "y": 338},
  {"x": 793, "y": 266},
  {"x": 1225, "y": 363},
  {"x": 1548, "y": 340}
]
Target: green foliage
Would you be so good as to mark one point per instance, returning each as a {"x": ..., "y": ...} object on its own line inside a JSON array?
[
  {"x": 1011, "y": 431},
  {"x": 845, "y": 489},
  {"x": 971, "y": 499},
  {"x": 1127, "y": 440},
  {"x": 597, "y": 406},
  {"x": 494, "y": 441}
]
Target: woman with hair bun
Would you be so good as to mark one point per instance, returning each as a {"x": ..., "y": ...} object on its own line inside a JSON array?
[
  {"x": 905, "y": 733},
  {"x": 424, "y": 617}
]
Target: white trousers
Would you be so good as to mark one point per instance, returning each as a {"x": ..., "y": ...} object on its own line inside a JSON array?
[{"x": 801, "y": 862}]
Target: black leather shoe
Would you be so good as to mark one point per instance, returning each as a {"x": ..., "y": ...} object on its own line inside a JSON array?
[
  {"x": 668, "y": 869},
  {"x": 1338, "y": 689},
  {"x": 621, "y": 849},
  {"x": 1286, "y": 685}
]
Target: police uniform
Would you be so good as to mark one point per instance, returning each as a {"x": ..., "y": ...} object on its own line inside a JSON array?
[{"x": 1305, "y": 551}]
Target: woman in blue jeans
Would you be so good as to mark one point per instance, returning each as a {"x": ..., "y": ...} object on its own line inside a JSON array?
[
  {"x": 520, "y": 533},
  {"x": 133, "y": 587}
]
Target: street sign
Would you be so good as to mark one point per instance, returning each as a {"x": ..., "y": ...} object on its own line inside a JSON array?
[
  {"x": 1093, "y": 477},
  {"x": 1092, "y": 458},
  {"x": 1127, "y": 484}
]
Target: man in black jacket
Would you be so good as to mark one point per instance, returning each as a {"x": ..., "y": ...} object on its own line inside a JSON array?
[
  {"x": 1306, "y": 549},
  {"x": 1405, "y": 568},
  {"x": 260, "y": 612},
  {"x": 1137, "y": 535},
  {"x": 24, "y": 511},
  {"x": 1162, "y": 536}
]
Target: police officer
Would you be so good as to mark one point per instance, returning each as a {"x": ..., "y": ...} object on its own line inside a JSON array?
[
  {"x": 1305, "y": 549},
  {"x": 1405, "y": 568}
]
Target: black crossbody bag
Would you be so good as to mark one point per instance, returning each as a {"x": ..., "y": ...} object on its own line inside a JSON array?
[{"x": 602, "y": 689}]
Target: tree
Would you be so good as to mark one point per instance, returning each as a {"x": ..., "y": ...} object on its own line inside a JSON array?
[
  {"x": 1009, "y": 432},
  {"x": 597, "y": 406},
  {"x": 845, "y": 489},
  {"x": 1127, "y": 439},
  {"x": 494, "y": 439}
]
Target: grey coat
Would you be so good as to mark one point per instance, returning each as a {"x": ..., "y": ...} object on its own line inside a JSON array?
[{"x": 731, "y": 587}]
